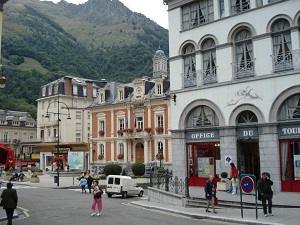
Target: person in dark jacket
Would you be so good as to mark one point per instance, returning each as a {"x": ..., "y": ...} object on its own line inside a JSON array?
[
  {"x": 10, "y": 202},
  {"x": 265, "y": 192},
  {"x": 210, "y": 193},
  {"x": 89, "y": 183}
]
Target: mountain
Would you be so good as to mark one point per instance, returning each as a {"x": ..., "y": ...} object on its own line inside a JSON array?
[{"x": 43, "y": 41}]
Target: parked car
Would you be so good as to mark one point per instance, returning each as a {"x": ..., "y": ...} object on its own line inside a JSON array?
[{"x": 122, "y": 185}]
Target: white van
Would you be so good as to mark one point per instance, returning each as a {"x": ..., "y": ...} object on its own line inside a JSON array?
[{"x": 122, "y": 185}]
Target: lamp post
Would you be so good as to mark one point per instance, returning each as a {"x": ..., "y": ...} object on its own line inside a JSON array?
[{"x": 58, "y": 120}]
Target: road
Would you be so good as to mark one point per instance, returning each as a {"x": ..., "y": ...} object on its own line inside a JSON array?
[{"x": 61, "y": 206}]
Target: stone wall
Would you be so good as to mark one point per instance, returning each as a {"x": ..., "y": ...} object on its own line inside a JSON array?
[{"x": 160, "y": 196}]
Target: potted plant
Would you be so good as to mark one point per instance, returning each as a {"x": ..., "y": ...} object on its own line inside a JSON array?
[
  {"x": 224, "y": 184},
  {"x": 39, "y": 172},
  {"x": 101, "y": 132},
  {"x": 159, "y": 129},
  {"x": 120, "y": 132},
  {"x": 139, "y": 129},
  {"x": 101, "y": 156},
  {"x": 130, "y": 131},
  {"x": 148, "y": 130},
  {"x": 34, "y": 178}
]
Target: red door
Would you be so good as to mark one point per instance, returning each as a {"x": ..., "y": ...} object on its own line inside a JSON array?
[{"x": 290, "y": 165}]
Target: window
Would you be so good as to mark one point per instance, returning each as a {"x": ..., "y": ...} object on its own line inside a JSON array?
[
  {"x": 74, "y": 103},
  {"x": 121, "y": 149},
  {"x": 42, "y": 134},
  {"x": 31, "y": 135},
  {"x": 238, "y": 6},
  {"x": 78, "y": 115},
  {"x": 50, "y": 90},
  {"x": 55, "y": 88},
  {"x": 75, "y": 89},
  {"x": 209, "y": 73},
  {"x": 101, "y": 97},
  {"x": 290, "y": 109},
  {"x": 101, "y": 125},
  {"x": 159, "y": 89},
  {"x": 160, "y": 121},
  {"x": 15, "y": 137},
  {"x": 259, "y": 3},
  {"x": 78, "y": 126},
  {"x": 247, "y": 117},
  {"x": 94, "y": 92},
  {"x": 28, "y": 124},
  {"x": 244, "y": 63},
  {"x": 43, "y": 91},
  {"x": 139, "y": 122},
  {"x": 197, "y": 13},
  {"x": 222, "y": 8},
  {"x": 24, "y": 136},
  {"x": 89, "y": 115},
  {"x": 160, "y": 147},
  {"x": 78, "y": 135},
  {"x": 84, "y": 104},
  {"x": 121, "y": 124},
  {"x": 54, "y": 133},
  {"x": 121, "y": 95},
  {"x": 15, "y": 123},
  {"x": 202, "y": 116},
  {"x": 49, "y": 133},
  {"x": 89, "y": 127},
  {"x": 101, "y": 149},
  {"x": 189, "y": 65},
  {"x": 84, "y": 90},
  {"x": 282, "y": 45},
  {"x": 5, "y": 137}
]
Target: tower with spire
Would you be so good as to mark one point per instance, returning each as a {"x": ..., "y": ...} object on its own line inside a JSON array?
[{"x": 160, "y": 68}]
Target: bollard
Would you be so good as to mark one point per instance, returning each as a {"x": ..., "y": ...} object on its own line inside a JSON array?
[
  {"x": 187, "y": 190},
  {"x": 167, "y": 183},
  {"x": 73, "y": 178},
  {"x": 176, "y": 184}
]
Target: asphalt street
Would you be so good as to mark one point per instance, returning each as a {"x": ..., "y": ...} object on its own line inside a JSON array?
[{"x": 62, "y": 206}]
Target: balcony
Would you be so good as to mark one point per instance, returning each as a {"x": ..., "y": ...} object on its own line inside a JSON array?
[
  {"x": 209, "y": 76},
  {"x": 243, "y": 69},
  {"x": 239, "y": 8},
  {"x": 190, "y": 79},
  {"x": 286, "y": 61},
  {"x": 200, "y": 77}
]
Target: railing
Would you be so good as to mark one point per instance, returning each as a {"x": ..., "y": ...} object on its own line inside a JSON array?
[
  {"x": 287, "y": 61},
  {"x": 170, "y": 183},
  {"x": 190, "y": 79},
  {"x": 209, "y": 76},
  {"x": 243, "y": 69},
  {"x": 238, "y": 8}
]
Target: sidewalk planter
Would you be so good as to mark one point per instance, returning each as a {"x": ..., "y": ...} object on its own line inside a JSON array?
[
  {"x": 34, "y": 179},
  {"x": 223, "y": 186},
  {"x": 39, "y": 173}
]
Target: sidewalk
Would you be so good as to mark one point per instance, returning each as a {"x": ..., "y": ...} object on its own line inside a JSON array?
[{"x": 282, "y": 201}]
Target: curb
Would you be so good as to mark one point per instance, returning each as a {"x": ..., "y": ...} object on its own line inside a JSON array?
[{"x": 199, "y": 216}]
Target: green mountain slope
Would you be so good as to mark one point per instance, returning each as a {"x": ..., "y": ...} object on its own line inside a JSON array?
[{"x": 99, "y": 39}]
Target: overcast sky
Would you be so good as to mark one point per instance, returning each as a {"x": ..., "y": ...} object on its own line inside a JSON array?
[{"x": 153, "y": 9}]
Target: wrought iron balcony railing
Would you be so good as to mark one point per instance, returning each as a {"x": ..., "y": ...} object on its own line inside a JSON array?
[
  {"x": 286, "y": 61},
  {"x": 190, "y": 79},
  {"x": 209, "y": 75},
  {"x": 243, "y": 69}
]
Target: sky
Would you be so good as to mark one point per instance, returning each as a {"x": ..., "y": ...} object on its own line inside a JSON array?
[{"x": 153, "y": 9}]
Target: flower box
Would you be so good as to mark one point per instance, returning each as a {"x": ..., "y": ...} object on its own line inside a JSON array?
[
  {"x": 34, "y": 179},
  {"x": 120, "y": 132},
  {"x": 101, "y": 132},
  {"x": 223, "y": 186},
  {"x": 148, "y": 130},
  {"x": 139, "y": 129},
  {"x": 100, "y": 157},
  {"x": 120, "y": 156},
  {"x": 159, "y": 129}
]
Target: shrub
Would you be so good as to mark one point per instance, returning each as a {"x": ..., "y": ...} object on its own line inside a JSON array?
[
  {"x": 100, "y": 177},
  {"x": 161, "y": 170},
  {"x": 112, "y": 169},
  {"x": 34, "y": 175},
  {"x": 224, "y": 174},
  {"x": 138, "y": 169}
]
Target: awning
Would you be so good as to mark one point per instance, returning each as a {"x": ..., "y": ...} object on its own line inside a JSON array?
[{"x": 25, "y": 163}]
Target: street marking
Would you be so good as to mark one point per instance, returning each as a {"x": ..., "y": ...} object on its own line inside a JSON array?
[
  {"x": 21, "y": 187},
  {"x": 24, "y": 212},
  {"x": 178, "y": 215}
]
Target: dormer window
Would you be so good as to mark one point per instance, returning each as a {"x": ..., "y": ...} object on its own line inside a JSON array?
[
  {"x": 159, "y": 89},
  {"x": 94, "y": 92},
  {"x": 84, "y": 90},
  {"x": 55, "y": 89},
  {"x": 75, "y": 89},
  {"x": 50, "y": 90},
  {"x": 101, "y": 96},
  {"x": 121, "y": 95},
  {"x": 44, "y": 91}
]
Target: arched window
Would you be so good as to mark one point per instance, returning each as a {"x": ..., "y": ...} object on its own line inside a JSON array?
[
  {"x": 101, "y": 149},
  {"x": 282, "y": 45},
  {"x": 189, "y": 65},
  {"x": 238, "y": 6},
  {"x": 244, "y": 63},
  {"x": 160, "y": 150},
  {"x": 290, "y": 109},
  {"x": 202, "y": 116},
  {"x": 247, "y": 117},
  {"x": 121, "y": 149},
  {"x": 209, "y": 73}
]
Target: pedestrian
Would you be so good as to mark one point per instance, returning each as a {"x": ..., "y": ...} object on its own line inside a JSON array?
[
  {"x": 90, "y": 182},
  {"x": 97, "y": 199},
  {"x": 234, "y": 183},
  {"x": 83, "y": 183},
  {"x": 9, "y": 201},
  {"x": 233, "y": 171},
  {"x": 265, "y": 193},
  {"x": 210, "y": 193}
]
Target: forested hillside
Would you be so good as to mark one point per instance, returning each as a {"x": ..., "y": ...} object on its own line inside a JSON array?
[{"x": 99, "y": 39}]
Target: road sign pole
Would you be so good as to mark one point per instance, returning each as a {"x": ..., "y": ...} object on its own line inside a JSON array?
[{"x": 241, "y": 197}]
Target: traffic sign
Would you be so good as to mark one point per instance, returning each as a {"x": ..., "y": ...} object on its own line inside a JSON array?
[{"x": 247, "y": 184}]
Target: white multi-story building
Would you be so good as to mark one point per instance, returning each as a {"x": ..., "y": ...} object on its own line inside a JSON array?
[{"x": 234, "y": 68}]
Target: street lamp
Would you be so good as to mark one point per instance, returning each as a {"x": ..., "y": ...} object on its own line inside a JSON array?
[{"x": 58, "y": 120}]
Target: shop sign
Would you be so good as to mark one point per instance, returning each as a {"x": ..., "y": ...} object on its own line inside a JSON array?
[
  {"x": 202, "y": 135},
  {"x": 27, "y": 156},
  {"x": 285, "y": 131},
  {"x": 35, "y": 156},
  {"x": 247, "y": 133}
]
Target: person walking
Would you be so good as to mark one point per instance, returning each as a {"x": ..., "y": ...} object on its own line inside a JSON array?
[
  {"x": 83, "y": 183},
  {"x": 10, "y": 201},
  {"x": 97, "y": 199},
  {"x": 210, "y": 193},
  {"x": 233, "y": 171},
  {"x": 265, "y": 193},
  {"x": 89, "y": 183},
  {"x": 234, "y": 183}
]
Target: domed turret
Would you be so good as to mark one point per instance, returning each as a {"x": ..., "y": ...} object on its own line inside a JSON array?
[{"x": 159, "y": 64}]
